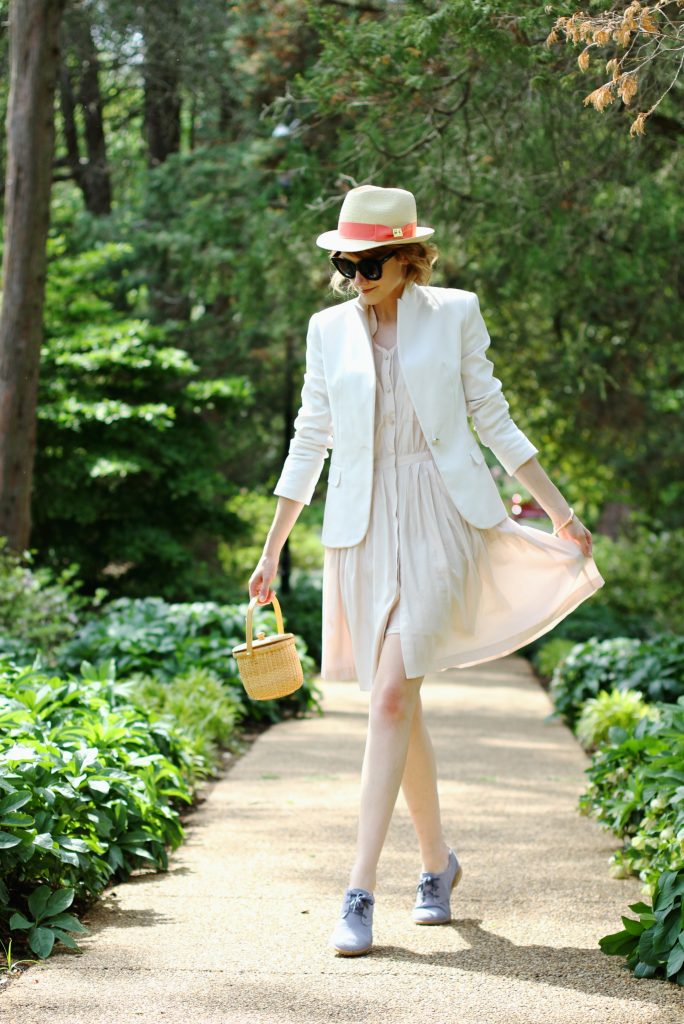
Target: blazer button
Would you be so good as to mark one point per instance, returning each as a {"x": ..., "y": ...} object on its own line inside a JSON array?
[{"x": 435, "y": 440}]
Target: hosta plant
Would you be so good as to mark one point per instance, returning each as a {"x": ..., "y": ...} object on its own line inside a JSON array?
[
  {"x": 636, "y": 790},
  {"x": 654, "y": 667},
  {"x": 654, "y": 944},
  {"x": 90, "y": 789},
  {"x": 621, "y": 708},
  {"x": 152, "y": 637}
]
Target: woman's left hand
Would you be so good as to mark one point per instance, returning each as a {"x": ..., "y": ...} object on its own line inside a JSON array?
[{"x": 576, "y": 531}]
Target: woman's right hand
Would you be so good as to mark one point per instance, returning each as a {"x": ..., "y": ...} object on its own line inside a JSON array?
[{"x": 260, "y": 580}]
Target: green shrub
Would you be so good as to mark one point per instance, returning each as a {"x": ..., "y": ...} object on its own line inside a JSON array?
[
  {"x": 90, "y": 790},
  {"x": 39, "y": 609},
  {"x": 636, "y": 789},
  {"x": 129, "y": 478},
  {"x": 654, "y": 945},
  {"x": 655, "y": 667},
  {"x": 551, "y": 654},
  {"x": 92, "y": 771},
  {"x": 610, "y": 708},
  {"x": 48, "y": 921},
  {"x": 645, "y": 570},
  {"x": 197, "y": 702},
  {"x": 305, "y": 612},
  {"x": 148, "y": 636}
]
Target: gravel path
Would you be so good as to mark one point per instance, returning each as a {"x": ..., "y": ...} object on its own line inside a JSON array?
[{"x": 237, "y": 930}]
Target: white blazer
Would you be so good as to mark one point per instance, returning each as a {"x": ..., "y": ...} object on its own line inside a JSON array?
[{"x": 441, "y": 345}]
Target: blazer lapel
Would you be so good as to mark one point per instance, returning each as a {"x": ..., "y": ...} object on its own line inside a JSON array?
[
  {"x": 413, "y": 346},
  {"x": 408, "y": 311}
]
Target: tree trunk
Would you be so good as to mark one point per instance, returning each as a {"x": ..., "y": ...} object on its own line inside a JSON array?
[
  {"x": 226, "y": 118},
  {"x": 161, "y": 72},
  {"x": 34, "y": 54},
  {"x": 613, "y": 515},
  {"x": 82, "y": 86},
  {"x": 97, "y": 187},
  {"x": 67, "y": 106}
]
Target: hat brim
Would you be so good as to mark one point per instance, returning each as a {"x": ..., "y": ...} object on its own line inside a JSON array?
[{"x": 337, "y": 242}]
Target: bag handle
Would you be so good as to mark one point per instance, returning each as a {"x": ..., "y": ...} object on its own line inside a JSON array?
[{"x": 250, "y": 609}]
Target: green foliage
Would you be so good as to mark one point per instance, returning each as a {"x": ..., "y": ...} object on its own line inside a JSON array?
[
  {"x": 636, "y": 789},
  {"x": 48, "y": 921},
  {"x": 654, "y": 944},
  {"x": 654, "y": 667},
  {"x": 127, "y": 481},
  {"x": 39, "y": 609},
  {"x": 645, "y": 569},
  {"x": 550, "y": 654},
  {"x": 622, "y": 708},
  {"x": 305, "y": 611},
  {"x": 92, "y": 784},
  {"x": 488, "y": 128},
  {"x": 148, "y": 636},
  {"x": 197, "y": 702},
  {"x": 238, "y": 559}
]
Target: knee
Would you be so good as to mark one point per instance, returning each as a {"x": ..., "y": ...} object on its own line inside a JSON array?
[{"x": 394, "y": 701}]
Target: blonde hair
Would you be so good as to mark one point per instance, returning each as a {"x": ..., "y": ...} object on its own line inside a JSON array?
[{"x": 420, "y": 259}]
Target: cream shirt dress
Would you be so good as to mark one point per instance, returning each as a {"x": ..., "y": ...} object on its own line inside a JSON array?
[{"x": 457, "y": 594}]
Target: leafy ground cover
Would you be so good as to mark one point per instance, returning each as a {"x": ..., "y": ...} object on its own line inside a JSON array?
[
  {"x": 624, "y": 699},
  {"x": 152, "y": 637},
  {"x": 93, "y": 776}
]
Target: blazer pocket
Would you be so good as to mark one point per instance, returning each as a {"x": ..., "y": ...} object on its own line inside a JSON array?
[
  {"x": 476, "y": 455},
  {"x": 334, "y": 474}
]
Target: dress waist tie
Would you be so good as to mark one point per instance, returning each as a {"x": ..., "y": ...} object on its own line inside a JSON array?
[{"x": 402, "y": 460}]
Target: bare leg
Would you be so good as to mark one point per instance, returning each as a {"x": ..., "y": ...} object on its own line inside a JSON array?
[
  {"x": 419, "y": 786},
  {"x": 392, "y": 704}
]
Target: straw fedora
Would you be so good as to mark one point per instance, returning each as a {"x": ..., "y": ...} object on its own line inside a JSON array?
[{"x": 372, "y": 216}]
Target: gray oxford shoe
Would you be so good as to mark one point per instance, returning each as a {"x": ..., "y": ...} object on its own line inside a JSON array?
[
  {"x": 433, "y": 893},
  {"x": 353, "y": 934}
]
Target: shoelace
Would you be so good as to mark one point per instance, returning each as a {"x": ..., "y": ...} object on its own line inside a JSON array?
[
  {"x": 428, "y": 886},
  {"x": 357, "y": 903}
]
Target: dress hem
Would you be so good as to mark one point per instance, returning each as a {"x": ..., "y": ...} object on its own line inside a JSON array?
[
  {"x": 492, "y": 651},
  {"x": 518, "y": 640}
]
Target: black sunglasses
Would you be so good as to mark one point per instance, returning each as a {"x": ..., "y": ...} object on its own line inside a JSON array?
[{"x": 370, "y": 267}]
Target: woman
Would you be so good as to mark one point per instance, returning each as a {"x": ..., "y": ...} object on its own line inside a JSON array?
[{"x": 423, "y": 568}]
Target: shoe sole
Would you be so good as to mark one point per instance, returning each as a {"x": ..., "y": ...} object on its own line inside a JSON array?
[
  {"x": 352, "y": 952},
  {"x": 457, "y": 879}
]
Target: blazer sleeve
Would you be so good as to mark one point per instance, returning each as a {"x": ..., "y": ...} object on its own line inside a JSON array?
[
  {"x": 485, "y": 400},
  {"x": 312, "y": 428}
]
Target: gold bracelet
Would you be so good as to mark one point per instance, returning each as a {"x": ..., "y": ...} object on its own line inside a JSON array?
[{"x": 567, "y": 521}]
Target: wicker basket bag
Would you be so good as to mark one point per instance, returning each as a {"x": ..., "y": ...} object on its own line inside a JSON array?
[{"x": 269, "y": 666}]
